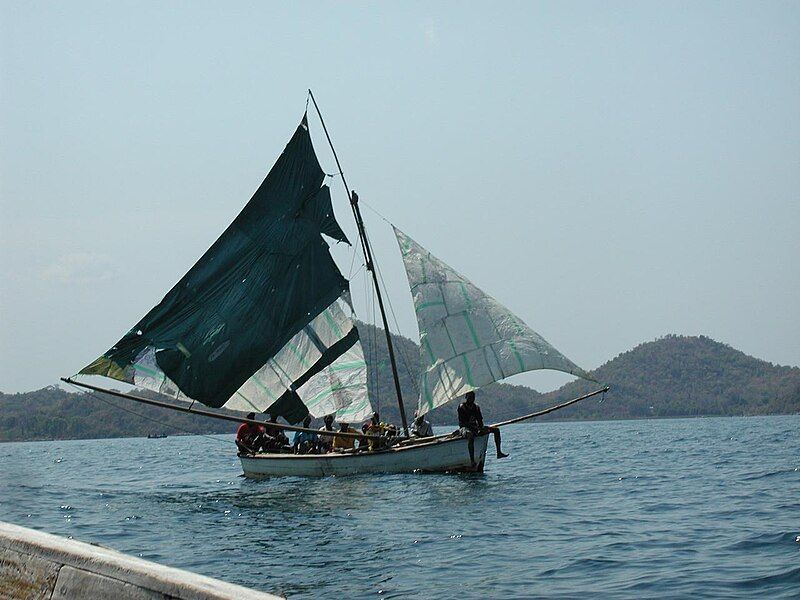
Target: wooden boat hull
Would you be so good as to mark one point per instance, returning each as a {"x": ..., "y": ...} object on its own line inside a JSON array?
[{"x": 440, "y": 455}]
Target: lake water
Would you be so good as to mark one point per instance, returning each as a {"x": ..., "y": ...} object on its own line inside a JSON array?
[{"x": 667, "y": 508}]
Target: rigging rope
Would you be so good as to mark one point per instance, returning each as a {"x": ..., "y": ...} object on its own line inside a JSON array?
[
  {"x": 401, "y": 352},
  {"x": 389, "y": 302},
  {"x": 365, "y": 203},
  {"x": 353, "y": 261},
  {"x": 146, "y": 418},
  {"x": 399, "y": 332},
  {"x": 373, "y": 345}
]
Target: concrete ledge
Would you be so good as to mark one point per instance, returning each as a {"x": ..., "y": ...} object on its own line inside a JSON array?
[{"x": 37, "y": 565}]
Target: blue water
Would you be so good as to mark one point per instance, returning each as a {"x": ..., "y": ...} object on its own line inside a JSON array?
[{"x": 670, "y": 508}]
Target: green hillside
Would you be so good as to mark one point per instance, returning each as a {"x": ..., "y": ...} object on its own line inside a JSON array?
[
  {"x": 55, "y": 414},
  {"x": 674, "y": 376},
  {"x": 684, "y": 376}
]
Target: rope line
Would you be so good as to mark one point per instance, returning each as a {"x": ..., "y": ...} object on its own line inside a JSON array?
[
  {"x": 389, "y": 300},
  {"x": 399, "y": 332},
  {"x": 373, "y": 343},
  {"x": 369, "y": 206},
  {"x": 351, "y": 275},
  {"x": 145, "y": 417}
]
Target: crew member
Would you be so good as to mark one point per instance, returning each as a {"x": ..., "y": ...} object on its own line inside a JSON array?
[
  {"x": 250, "y": 436},
  {"x": 376, "y": 427},
  {"x": 341, "y": 442},
  {"x": 305, "y": 442},
  {"x": 326, "y": 441},
  {"x": 421, "y": 426},
  {"x": 363, "y": 442},
  {"x": 470, "y": 423},
  {"x": 276, "y": 432}
]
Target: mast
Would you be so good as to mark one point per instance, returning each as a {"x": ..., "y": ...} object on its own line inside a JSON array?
[
  {"x": 365, "y": 246},
  {"x": 371, "y": 269}
]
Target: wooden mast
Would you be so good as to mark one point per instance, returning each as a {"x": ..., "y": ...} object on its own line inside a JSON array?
[{"x": 370, "y": 265}]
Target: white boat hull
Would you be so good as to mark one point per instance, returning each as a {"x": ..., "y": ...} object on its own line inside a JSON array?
[{"x": 440, "y": 455}]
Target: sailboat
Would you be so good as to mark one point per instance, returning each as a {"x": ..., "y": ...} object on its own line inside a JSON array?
[{"x": 264, "y": 323}]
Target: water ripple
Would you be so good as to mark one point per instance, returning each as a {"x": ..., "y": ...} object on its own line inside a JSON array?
[{"x": 681, "y": 508}]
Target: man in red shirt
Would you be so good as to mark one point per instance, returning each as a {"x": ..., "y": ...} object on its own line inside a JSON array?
[{"x": 249, "y": 436}]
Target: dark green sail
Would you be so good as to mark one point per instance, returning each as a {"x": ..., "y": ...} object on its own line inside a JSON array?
[{"x": 258, "y": 286}]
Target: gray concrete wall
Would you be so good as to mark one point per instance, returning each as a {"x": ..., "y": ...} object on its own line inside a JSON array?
[{"x": 37, "y": 565}]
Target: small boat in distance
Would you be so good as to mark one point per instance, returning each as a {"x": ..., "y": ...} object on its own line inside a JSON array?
[
  {"x": 156, "y": 436},
  {"x": 263, "y": 323}
]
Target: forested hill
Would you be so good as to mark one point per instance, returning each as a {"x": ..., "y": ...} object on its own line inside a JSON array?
[
  {"x": 674, "y": 376},
  {"x": 55, "y": 414},
  {"x": 684, "y": 376}
]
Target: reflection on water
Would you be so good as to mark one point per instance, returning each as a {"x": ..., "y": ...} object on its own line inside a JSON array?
[{"x": 625, "y": 509}]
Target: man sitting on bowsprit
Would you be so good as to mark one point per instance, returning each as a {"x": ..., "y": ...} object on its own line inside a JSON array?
[{"x": 470, "y": 423}]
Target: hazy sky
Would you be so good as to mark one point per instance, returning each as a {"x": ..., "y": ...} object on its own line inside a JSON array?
[{"x": 612, "y": 172}]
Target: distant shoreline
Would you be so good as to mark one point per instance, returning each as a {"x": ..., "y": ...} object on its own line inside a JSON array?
[{"x": 548, "y": 421}]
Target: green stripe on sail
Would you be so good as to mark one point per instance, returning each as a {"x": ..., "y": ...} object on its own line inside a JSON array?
[
  {"x": 348, "y": 366},
  {"x": 517, "y": 354},
  {"x": 405, "y": 245},
  {"x": 329, "y": 392},
  {"x": 427, "y": 345},
  {"x": 517, "y": 325},
  {"x": 467, "y": 297},
  {"x": 337, "y": 331},
  {"x": 520, "y": 332},
  {"x": 246, "y": 399},
  {"x": 296, "y": 351},
  {"x": 262, "y": 387},
  {"x": 147, "y": 370},
  {"x": 468, "y": 370},
  {"x": 427, "y": 391},
  {"x": 429, "y": 304},
  {"x": 472, "y": 332}
]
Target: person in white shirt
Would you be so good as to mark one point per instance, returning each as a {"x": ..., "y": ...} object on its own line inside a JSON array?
[{"x": 421, "y": 427}]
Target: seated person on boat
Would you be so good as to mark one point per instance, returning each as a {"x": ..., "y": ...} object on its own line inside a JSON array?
[
  {"x": 470, "y": 423},
  {"x": 421, "y": 426},
  {"x": 363, "y": 442},
  {"x": 250, "y": 436},
  {"x": 341, "y": 442},
  {"x": 276, "y": 432},
  {"x": 326, "y": 441},
  {"x": 305, "y": 442},
  {"x": 379, "y": 428}
]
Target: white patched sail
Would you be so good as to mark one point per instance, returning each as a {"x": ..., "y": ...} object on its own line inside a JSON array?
[
  {"x": 467, "y": 338},
  {"x": 297, "y": 357},
  {"x": 339, "y": 388}
]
